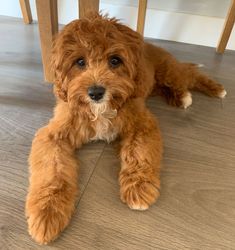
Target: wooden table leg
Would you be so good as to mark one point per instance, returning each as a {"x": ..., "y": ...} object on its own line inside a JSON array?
[
  {"x": 26, "y": 11},
  {"x": 48, "y": 27},
  {"x": 88, "y": 5},
  {"x": 141, "y": 16},
  {"x": 228, "y": 26}
]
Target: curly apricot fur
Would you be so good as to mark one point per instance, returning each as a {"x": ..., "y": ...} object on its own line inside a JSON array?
[{"x": 145, "y": 70}]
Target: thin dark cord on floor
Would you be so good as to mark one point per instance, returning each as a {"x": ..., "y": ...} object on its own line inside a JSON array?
[{"x": 101, "y": 154}]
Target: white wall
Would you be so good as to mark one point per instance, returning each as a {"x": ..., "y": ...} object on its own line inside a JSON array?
[{"x": 191, "y": 21}]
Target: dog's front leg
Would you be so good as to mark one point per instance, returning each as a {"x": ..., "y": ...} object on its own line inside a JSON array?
[
  {"x": 141, "y": 151},
  {"x": 53, "y": 186}
]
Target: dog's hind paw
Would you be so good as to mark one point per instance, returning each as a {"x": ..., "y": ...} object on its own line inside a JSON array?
[
  {"x": 187, "y": 100},
  {"x": 222, "y": 94}
]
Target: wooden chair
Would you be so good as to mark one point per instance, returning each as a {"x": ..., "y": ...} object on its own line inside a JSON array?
[
  {"x": 48, "y": 24},
  {"x": 228, "y": 26},
  {"x": 26, "y": 11},
  {"x": 141, "y": 16}
]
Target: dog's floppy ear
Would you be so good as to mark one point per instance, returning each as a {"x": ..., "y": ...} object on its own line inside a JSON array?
[
  {"x": 135, "y": 42},
  {"x": 60, "y": 86},
  {"x": 132, "y": 38}
]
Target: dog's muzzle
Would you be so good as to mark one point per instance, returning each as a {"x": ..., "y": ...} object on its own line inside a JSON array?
[{"x": 96, "y": 92}]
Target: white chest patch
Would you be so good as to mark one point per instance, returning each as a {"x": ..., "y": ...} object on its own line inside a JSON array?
[{"x": 104, "y": 129}]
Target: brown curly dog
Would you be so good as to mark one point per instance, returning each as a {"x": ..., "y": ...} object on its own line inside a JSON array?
[{"x": 104, "y": 71}]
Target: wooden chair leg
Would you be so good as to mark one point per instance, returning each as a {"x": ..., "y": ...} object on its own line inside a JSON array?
[
  {"x": 48, "y": 27},
  {"x": 228, "y": 26},
  {"x": 141, "y": 16},
  {"x": 88, "y": 5},
  {"x": 26, "y": 11}
]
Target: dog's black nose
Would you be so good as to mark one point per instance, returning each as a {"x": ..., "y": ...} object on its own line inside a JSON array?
[{"x": 96, "y": 92}]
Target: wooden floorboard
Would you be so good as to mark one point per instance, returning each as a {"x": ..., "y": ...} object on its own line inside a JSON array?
[{"x": 196, "y": 209}]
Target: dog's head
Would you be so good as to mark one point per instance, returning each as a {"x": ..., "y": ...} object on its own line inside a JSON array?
[{"x": 97, "y": 63}]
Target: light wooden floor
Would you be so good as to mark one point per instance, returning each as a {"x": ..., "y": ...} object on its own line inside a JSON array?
[{"x": 196, "y": 209}]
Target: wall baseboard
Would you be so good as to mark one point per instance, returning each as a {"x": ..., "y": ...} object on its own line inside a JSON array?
[{"x": 180, "y": 27}]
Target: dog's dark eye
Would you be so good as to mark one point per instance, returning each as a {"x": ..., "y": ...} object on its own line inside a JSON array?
[
  {"x": 115, "y": 61},
  {"x": 81, "y": 63}
]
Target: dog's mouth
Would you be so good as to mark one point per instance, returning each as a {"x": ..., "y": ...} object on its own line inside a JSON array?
[
  {"x": 102, "y": 108},
  {"x": 97, "y": 102}
]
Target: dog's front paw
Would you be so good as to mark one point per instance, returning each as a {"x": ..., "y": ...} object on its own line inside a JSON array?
[
  {"x": 139, "y": 194},
  {"x": 46, "y": 217}
]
